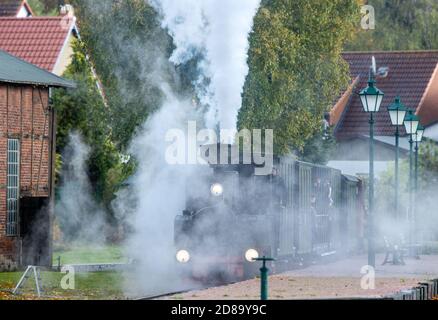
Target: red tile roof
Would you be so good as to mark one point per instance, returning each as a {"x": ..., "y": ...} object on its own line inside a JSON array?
[
  {"x": 38, "y": 40},
  {"x": 10, "y": 8},
  {"x": 410, "y": 76}
]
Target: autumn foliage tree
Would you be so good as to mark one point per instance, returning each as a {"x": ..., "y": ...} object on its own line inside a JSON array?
[
  {"x": 400, "y": 25},
  {"x": 296, "y": 69}
]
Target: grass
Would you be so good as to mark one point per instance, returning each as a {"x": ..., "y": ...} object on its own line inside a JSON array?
[
  {"x": 86, "y": 254},
  {"x": 94, "y": 286},
  {"x": 89, "y": 286}
]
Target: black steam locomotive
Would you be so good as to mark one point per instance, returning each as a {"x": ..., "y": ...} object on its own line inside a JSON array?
[{"x": 298, "y": 212}]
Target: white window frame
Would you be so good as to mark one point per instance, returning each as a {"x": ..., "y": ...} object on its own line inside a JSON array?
[{"x": 13, "y": 188}]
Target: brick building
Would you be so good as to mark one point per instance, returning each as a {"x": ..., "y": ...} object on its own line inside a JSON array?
[{"x": 27, "y": 157}]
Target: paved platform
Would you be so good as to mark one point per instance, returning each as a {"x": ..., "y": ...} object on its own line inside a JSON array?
[{"x": 340, "y": 279}]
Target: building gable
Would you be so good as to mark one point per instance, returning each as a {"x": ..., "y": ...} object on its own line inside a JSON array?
[
  {"x": 41, "y": 41},
  {"x": 412, "y": 75},
  {"x": 15, "y": 8}
]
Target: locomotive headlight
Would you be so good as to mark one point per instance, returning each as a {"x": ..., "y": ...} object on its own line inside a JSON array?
[
  {"x": 183, "y": 256},
  {"x": 251, "y": 254},
  {"x": 217, "y": 189}
]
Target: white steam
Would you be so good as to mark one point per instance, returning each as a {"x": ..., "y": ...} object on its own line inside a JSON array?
[
  {"x": 159, "y": 190},
  {"x": 81, "y": 219},
  {"x": 217, "y": 31}
]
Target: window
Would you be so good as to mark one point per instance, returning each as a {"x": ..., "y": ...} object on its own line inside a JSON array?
[{"x": 13, "y": 185}]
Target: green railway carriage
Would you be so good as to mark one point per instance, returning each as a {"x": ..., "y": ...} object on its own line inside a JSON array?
[{"x": 320, "y": 209}]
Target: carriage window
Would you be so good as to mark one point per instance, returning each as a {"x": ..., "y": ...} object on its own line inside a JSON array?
[{"x": 13, "y": 187}]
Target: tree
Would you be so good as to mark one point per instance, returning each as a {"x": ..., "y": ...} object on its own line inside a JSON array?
[
  {"x": 296, "y": 69},
  {"x": 44, "y": 7},
  {"x": 83, "y": 110},
  {"x": 425, "y": 201},
  {"x": 428, "y": 164},
  {"x": 125, "y": 41},
  {"x": 400, "y": 25}
]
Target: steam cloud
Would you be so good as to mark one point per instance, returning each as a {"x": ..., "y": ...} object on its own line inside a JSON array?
[
  {"x": 217, "y": 31},
  {"x": 158, "y": 190},
  {"x": 80, "y": 216}
]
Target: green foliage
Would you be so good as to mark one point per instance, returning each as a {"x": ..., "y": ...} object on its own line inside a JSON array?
[
  {"x": 400, "y": 25},
  {"x": 385, "y": 188},
  {"x": 83, "y": 110},
  {"x": 125, "y": 41},
  {"x": 77, "y": 108},
  {"x": 296, "y": 70},
  {"x": 428, "y": 164},
  {"x": 427, "y": 180},
  {"x": 89, "y": 254},
  {"x": 43, "y": 7},
  {"x": 319, "y": 148}
]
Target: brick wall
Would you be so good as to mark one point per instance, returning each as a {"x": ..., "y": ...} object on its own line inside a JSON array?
[{"x": 24, "y": 115}]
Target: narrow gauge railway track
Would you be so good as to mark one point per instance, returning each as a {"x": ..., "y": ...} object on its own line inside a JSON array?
[
  {"x": 217, "y": 284},
  {"x": 169, "y": 294},
  {"x": 181, "y": 291},
  {"x": 164, "y": 295}
]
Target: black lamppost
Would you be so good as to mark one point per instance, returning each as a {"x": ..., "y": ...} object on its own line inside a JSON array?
[
  {"x": 371, "y": 98},
  {"x": 397, "y": 112},
  {"x": 411, "y": 125}
]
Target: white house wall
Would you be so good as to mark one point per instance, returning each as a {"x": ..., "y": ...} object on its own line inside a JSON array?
[
  {"x": 360, "y": 168},
  {"x": 432, "y": 132},
  {"x": 23, "y": 13}
]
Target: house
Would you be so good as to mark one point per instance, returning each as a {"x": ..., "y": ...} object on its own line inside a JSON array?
[
  {"x": 412, "y": 75},
  {"x": 15, "y": 8},
  {"x": 27, "y": 158},
  {"x": 42, "y": 41}
]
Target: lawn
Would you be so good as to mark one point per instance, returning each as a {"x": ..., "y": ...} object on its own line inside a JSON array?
[
  {"x": 88, "y": 286},
  {"x": 98, "y": 285},
  {"x": 86, "y": 254}
]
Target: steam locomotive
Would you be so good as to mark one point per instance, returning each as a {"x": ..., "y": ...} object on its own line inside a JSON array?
[{"x": 297, "y": 213}]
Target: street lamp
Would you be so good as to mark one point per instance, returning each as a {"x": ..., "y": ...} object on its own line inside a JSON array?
[
  {"x": 418, "y": 138},
  {"x": 371, "y": 98},
  {"x": 397, "y": 112},
  {"x": 411, "y": 125}
]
